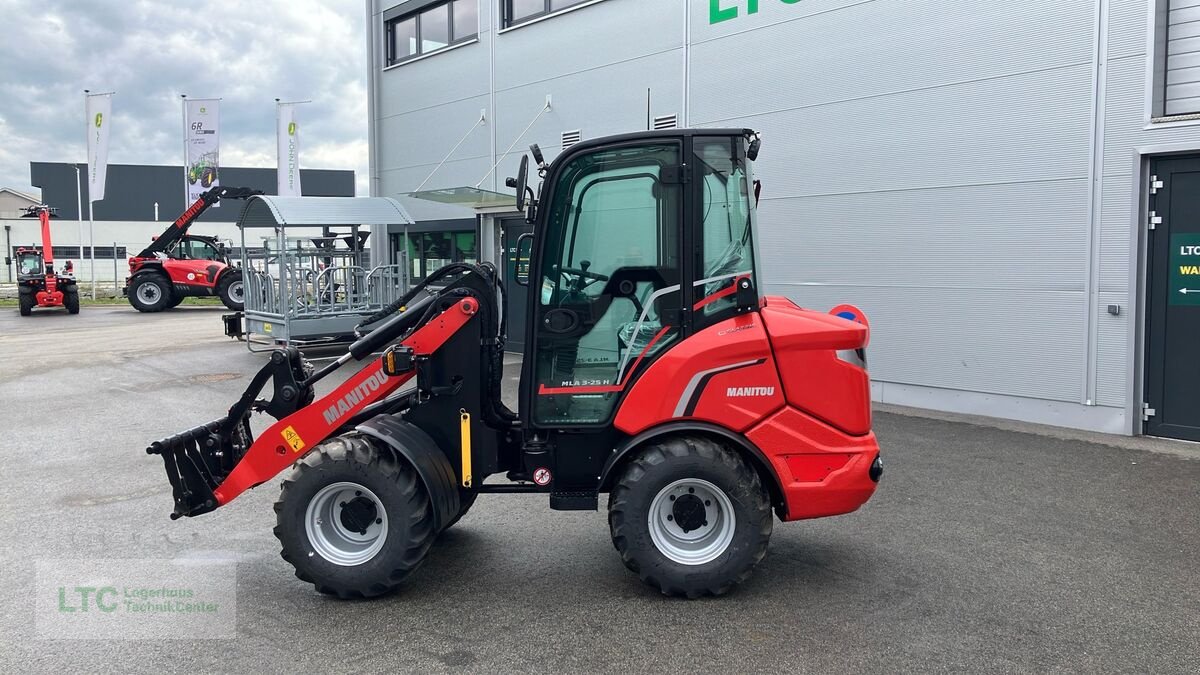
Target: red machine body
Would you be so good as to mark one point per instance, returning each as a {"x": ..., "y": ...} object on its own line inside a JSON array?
[
  {"x": 177, "y": 265},
  {"x": 779, "y": 377},
  {"x": 39, "y": 285},
  {"x": 654, "y": 371}
]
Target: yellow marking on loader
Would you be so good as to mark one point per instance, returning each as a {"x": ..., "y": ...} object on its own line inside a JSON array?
[
  {"x": 293, "y": 439},
  {"x": 464, "y": 429}
]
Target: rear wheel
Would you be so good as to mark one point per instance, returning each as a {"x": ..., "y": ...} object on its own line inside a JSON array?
[
  {"x": 150, "y": 293},
  {"x": 232, "y": 291},
  {"x": 352, "y": 520},
  {"x": 71, "y": 299},
  {"x": 25, "y": 302},
  {"x": 690, "y": 517}
]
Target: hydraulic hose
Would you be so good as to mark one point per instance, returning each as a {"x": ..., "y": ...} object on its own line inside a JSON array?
[{"x": 391, "y": 329}]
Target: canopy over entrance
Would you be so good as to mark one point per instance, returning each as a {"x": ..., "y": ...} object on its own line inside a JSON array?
[{"x": 266, "y": 211}]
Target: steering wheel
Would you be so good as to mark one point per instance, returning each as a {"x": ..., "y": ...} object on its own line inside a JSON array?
[{"x": 575, "y": 277}]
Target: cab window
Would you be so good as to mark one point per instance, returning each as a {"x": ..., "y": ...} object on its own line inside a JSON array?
[
  {"x": 727, "y": 249},
  {"x": 195, "y": 249}
]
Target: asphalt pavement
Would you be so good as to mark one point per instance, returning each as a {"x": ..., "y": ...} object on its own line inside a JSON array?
[{"x": 984, "y": 550}]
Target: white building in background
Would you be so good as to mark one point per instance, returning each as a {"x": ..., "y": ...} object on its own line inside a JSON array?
[{"x": 1004, "y": 187}]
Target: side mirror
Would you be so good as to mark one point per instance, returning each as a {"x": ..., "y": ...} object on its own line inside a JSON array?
[
  {"x": 752, "y": 151},
  {"x": 521, "y": 259},
  {"x": 522, "y": 182},
  {"x": 537, "y": 155}
]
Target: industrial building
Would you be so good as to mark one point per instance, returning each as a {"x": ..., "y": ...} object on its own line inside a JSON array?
[
  {"x": 1009, "y": 190},
  {"x": 139, "y": 202}
]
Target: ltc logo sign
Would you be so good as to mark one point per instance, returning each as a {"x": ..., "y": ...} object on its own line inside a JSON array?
[
  {"x": 1185, "y": 270},
  {"x": 725, "y": 10}
]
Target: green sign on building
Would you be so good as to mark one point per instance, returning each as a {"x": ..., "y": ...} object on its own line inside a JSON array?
[
  {"x": 1184, "y": 288},
  {"x": 724, "y": 10}
]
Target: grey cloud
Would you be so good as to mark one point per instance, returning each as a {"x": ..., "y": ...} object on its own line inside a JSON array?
[{"x": 150, "y": 51}]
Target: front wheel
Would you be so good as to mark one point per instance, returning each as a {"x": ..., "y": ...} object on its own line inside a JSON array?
[
  {"x": 232, "y": 291},
  {"x": 150, "y": 293},
  {"x": 690, "y": 517},
  {"x": 71, "y": 299},
  {"x": 352, "y": 520},
  {"x": 25, "y": 302}
]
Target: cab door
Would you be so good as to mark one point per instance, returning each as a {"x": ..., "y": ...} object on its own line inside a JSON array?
[{"x": 605, "y": 297}]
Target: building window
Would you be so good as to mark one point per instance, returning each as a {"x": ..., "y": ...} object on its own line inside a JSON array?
[
  {"x": 1176, "y": 45},
  {"x": 520, "y": 11},
  {"x": 433, "y": 28},
  {"x": 426, "y": 252}
]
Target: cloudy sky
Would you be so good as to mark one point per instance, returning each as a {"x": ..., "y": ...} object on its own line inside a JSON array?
[{"x": 151, "y": 51}]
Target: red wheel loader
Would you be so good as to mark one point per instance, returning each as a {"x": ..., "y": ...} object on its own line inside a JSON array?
[
  {"x": 656, "y": 372},
  {"x": 38, "y": 284},
  {"x": 177, "y": 265}
]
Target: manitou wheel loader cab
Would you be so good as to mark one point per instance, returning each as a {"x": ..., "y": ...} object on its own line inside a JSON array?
[
  {"x": 656, "y": 372},
  {"x": 38, "y": 284},
  {"x": 177, "y": 265}
]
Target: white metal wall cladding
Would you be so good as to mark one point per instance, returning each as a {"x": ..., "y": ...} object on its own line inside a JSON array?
[
  {"x": 1183, "y": 58},
  {"x": 931, "y": 161}
]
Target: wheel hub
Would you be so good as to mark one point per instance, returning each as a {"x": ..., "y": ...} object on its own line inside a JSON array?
[
  {"x": 346, "y": 524},
  {"x": 148, "y": 293},
  {"x": 358, "y": 514},
  {"x": 688, "y": 512},
  {"x": 691, "y": 521}
]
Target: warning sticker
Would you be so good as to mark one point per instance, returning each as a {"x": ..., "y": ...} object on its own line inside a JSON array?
[
  {"x": 293, "y": 439},
  {"x": 1184, "y": 288}
]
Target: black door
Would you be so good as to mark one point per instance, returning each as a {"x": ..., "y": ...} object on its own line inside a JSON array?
[
  {"x": 1173, "y": 326},
  {"x": 518, "y": 295}
]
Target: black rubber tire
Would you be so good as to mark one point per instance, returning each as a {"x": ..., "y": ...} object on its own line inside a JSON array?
[
  {"x": 410, "y": 517},
  {"x": 71, "y": 299},
  {"x": 25, "y": 302},
  {"x": 227, "y": 281},
  {"x": 175, "y": 300},
  {"x": 465, "y": 499},
  {"x": 208, "y": 177},
  {"x": 658, "y": 465},
  {"x": 164, "y": 298}
]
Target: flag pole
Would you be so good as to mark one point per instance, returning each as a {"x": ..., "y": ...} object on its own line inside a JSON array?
[
  {"x": 183, "y": 110},
  {"x": 79, "y": 184},
  {"x": 79, "y": 209}
]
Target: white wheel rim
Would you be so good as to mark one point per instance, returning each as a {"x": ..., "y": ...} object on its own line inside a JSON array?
[
  {"x": 328, "y": 524},
  {"x": 236, "y": 291},
  {"x": 691, "y": 521},
  {"x": 149, "y": 293}
]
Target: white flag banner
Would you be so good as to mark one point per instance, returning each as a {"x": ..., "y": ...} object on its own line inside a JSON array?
[
  {"x": 202, "y": 119},
  {"x": 99, "y": 119},
  {"x": 288, "y": 142}
]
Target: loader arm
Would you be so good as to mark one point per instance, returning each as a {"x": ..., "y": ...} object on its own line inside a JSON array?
[
  {"x": 212, "y": 464},
  {"x": 176, "y": 230},
  {"x": 292, "y": 437}
]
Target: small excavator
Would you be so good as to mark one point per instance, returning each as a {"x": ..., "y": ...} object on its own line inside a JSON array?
[
  {"x": 177, "y": 265},
  {"x": 38, "y": 284},
  {"x": 656, "y": 371}
]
